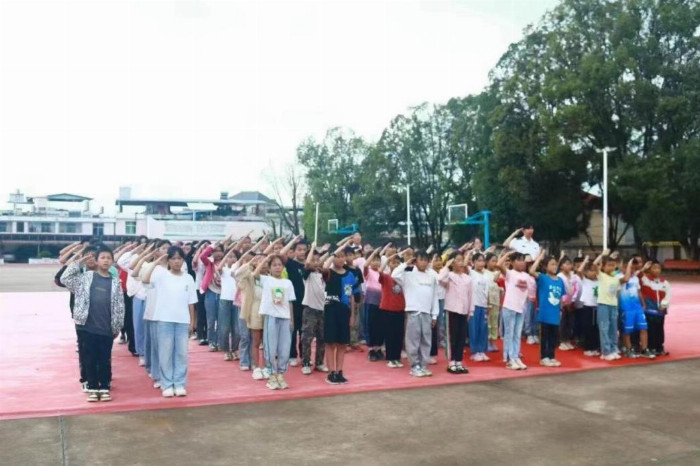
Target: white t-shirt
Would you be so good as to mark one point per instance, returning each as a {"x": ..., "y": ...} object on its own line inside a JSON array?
[
  {"x": 151, "y": 296},
  {"x": 525, "y": 246},
  {"x": 480, "y": 287},
  {"x": 441, "y": 291},
  {"x": 175, "y": 294},
  {"x": 228, "y": 284},
  {"x": 315, "y": 291},
  {"x": 516, "y": 291},
  {"x": 589, "y": 292},
  {"x": 277, "y": 293},
  {"x": 199, "y": 274}
]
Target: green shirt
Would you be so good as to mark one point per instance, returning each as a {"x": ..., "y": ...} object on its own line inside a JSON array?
[{"x": 608, "y": 287}]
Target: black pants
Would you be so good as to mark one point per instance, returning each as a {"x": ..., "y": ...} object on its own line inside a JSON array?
[
  {"x": 129, "y": 322},
  {"x": 548, "y": 340},
  {"x": 81, "y": 354},
  {"x": 434, "y": 340},
  {"x": 655, "y": 324},
  {"x": 566, "y": 326},
  {"x": 457, "y": 328},
  {"x": 296, "y": 335},
  {"x": 201, "y": 317},
  {"x": 376, "y": 328},
  {"x": 589, "y": 329},
  {"x": 394, "y": 328},
  {"x": 97, "y": 356}
]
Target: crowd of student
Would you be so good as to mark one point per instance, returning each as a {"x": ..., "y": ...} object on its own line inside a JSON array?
[{"x": 264, "y": 304}]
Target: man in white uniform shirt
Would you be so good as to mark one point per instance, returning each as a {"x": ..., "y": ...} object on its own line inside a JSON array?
[{"x": 522, "y": 241}]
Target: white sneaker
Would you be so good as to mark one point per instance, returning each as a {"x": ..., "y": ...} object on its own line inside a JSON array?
[
  {"x": 244, "y": 368},
  {"x": 168, "y": 392},
  {"x": 588, "y": 353},
  {"x": 570, "y": 345},
  {"x": 520, "y": 363},
  {"x": 180, "y": 391},
  {"x": 616, "y": 356},
  {"x": 156, "y": 384},
  {"x": 555, "y": 362},
  {"x": 272, "y": 383},
  {"x": 563, "y": 347},
  {"x": 323, "y": 368},
  {"x": 266, "y": 373},
  {"x": 530, "y": 340},
  {"x": 258, "y": 374},
  {"x": 425, "y": 372},
  {"x": 545, "y": 362},
  {"x": 306, "y": 370},
  {"x": 416, "y": 372},
  {"x": 432, "y": 361},
  {"x": 294, "y": 362},
  {"x": 484, "y": 357},
  {"x": 608, "y": 357},
  {"x": 142, "y": 361},
  {"x": 391, "y": 365},
  {"x": 512, "y": 365},
  {"x": 536, "y": 339}
]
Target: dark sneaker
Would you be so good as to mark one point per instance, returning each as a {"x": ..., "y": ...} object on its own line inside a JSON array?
[
  {"x": 380, "y": 355},
  {"x": 646, "y": 353},
  {"x": 203, "y": 342},
  {"x": 93, "y": 396},
  {"x": 453, "y": 369},
  {"x": 372, "y": 356},
  {"x": 341, "y": 378},
  {"x": 333, "y": 378}
]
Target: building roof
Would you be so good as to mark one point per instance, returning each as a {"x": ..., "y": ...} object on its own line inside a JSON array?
[
  {"x": 63, "y": 197},
  {"x": 183, "y": 202},
  {"x": 252, "y": 196}
]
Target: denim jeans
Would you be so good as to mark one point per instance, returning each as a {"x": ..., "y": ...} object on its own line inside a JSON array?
[
  {"x": 278, "y": 340},
  {"x": 211, "y": 304},
  {"x": 228, "y": 325},
  {"x": 512, "y": 329},
  {"x": 246, "y": 340},
  {"x": 478, "y": 331},
  {"x": 530, "y": 327},
  {"x": 607, "y": 326},
  {"x": 139, "y": 307},
  {"x": 172, "y": 353},
  {"x": 151, "y": 349}
]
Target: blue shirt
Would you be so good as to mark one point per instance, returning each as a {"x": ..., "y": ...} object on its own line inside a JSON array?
[
  {"x": 340, "y": 287},
  {"x": 629, "y": 295},
  {"x": 549, "y": 293}
]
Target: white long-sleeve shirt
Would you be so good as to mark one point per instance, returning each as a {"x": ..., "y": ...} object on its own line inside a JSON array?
[{"x": 420, "y": 290}]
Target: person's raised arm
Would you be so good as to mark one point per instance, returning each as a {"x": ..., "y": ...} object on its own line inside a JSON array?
[
  {"x": 399, "y": 273},
  {"x": 512, "y": 236},
  {"x": 162, "y": 260},
  {"x": 598, "y": 260},
  {"x": 71, "y": 276},
  {"x": 501, "y": 264},
  {"x": 628, "y": 272},
  {"x": 127, "y": 247},
  {"x": 582, "y": 266},
  {"x": 288, "y": 247},
  {"x": 536, "y": 265},
  {"x": 225, "y": 261},
  {"x": 258, "y": 269},
  {"x": 444, "y": 275},
  {"x": 73, "y": 246},
  {"x": 66, "y": 253},
  {"x": 206, "y": 254},
  {"x": 271, "y": 246},
  {"x": 310, "y": 255},
  {"x": 137, "y": 269},
  {"x": 369, "y": 261}
]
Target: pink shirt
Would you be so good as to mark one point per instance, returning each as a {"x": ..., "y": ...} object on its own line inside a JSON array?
[
  {"x": 459, "y": 291},
  {"x": 531, "y": 288},
  {"x": 516, "y": 291}
]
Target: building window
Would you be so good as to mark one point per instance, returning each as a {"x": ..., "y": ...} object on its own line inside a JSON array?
[
  {"x": 47, "y": 227},
  {"x": 4, "y": 226},
  {"x": 20, "y": 227},
  {"x": 34, "y": 227},
  {"x": 130, "y": 228},
  {"x": 69, "y": 228},
  {"x": 98, "y": 229}
]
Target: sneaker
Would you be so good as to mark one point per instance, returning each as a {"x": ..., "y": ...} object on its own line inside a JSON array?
[
  {"x": 492, "y": 348},
  {"x": 193, "y": 337},
  {"x": 530, "y": 340},
  {"x": 156, "y": 384},
  {"x": 546, "y": 362},
  {"x": 294, "y": 362},
  {"x": 398, "y": 363},
  {"x": 425, "y": 372},
  {"x": 244, "y": 368},
  {"x": 484, "y": 358},
  {"x": 213, "y": 348},
  {"x": 462, "y": 369},
  {"x": 341, "y": 378},
  {"x": 372, "y": 356},
  {"x": 93, "y": 395},
  {"x": 180, "y": 391},
  {"x": 168, "y": 393},
  {"x": 609, "y": 357},
  {"x": 380, "y": 354},
  {"x": 393, "y": 364},
  {"x": 122, "y": 340},
  {"x": 453, "y": 369},
  {"x": 306, "y": 370},
  {"x": 281, "y": 382},
  {"x": 258, "y": 374},
  {"x": 234, "y": 355},
  {"x": 142, "y": 361},
  {"x": 203, "y": 342},
  {"x": 266, "y": 373},
  {"x": 84, "y": 387},
  {"x": 272, "y": 383},
  {"x": 555, "y": 362},
  {"x": 105, "y": 395},
  {"x": 322, "y": 368},
  {"x": 588, "y": 353},
  {"x": 596, "y": 353},
  {"x": 512, "y": 365},
  {"x": 563, "y": 347},
  {"x": 536, "y": 339},
  {"x": 416, "y": 372},
  {"x": 403, "y": 355},
  {"x": 616, "y": 356},
  {"x": 520, "y": 363},
  {"x": 228, "y": 356},
  {"x": 432, "y": 361},
  {"x": 646, "y": 353},
  {"x": 332, "y": 379}
]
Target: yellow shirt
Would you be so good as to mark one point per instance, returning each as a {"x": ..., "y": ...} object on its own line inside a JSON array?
[{"x": 608, "y": 287}]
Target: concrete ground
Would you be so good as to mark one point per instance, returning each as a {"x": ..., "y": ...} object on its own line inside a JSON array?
[{"x": 627, "y": 415}]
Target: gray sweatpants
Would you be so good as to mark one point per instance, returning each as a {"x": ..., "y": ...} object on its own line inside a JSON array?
[
  {"x": 278, "y": 341},
  {"x": 418, "y": 336}
]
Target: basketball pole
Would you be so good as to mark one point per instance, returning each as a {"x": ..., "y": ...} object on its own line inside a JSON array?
[
  {"x": 408, "y": 214},
  {"x": 316, "y": 227}
]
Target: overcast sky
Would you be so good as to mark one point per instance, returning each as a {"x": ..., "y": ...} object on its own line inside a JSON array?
[{"x": 189, "y": 98}]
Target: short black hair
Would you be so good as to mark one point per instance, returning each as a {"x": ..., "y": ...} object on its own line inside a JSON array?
[
  {"x": 173, "y": 250},
  {"x": 300, "y": 243},
  {"x": 348, "y": 250},
  {"x": 422, "y": 254},
  {"x": 528, "y": 226},
  {"x": 161, "y": 242},
  {"x": 102, "y": 248}
]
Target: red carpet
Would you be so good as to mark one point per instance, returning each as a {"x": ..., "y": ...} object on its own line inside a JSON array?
[{"x": 39, "y": 370}]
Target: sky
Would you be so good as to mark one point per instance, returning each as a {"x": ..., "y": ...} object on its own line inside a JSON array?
[{"x": 191, "y": 98}]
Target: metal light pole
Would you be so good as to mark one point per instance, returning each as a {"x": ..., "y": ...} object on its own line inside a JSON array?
[
  {"x": 605, "y": 151},
  {"x": 408, "y": 214}
]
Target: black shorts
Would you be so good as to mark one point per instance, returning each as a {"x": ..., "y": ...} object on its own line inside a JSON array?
[{"x": 336, "y": 324}]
